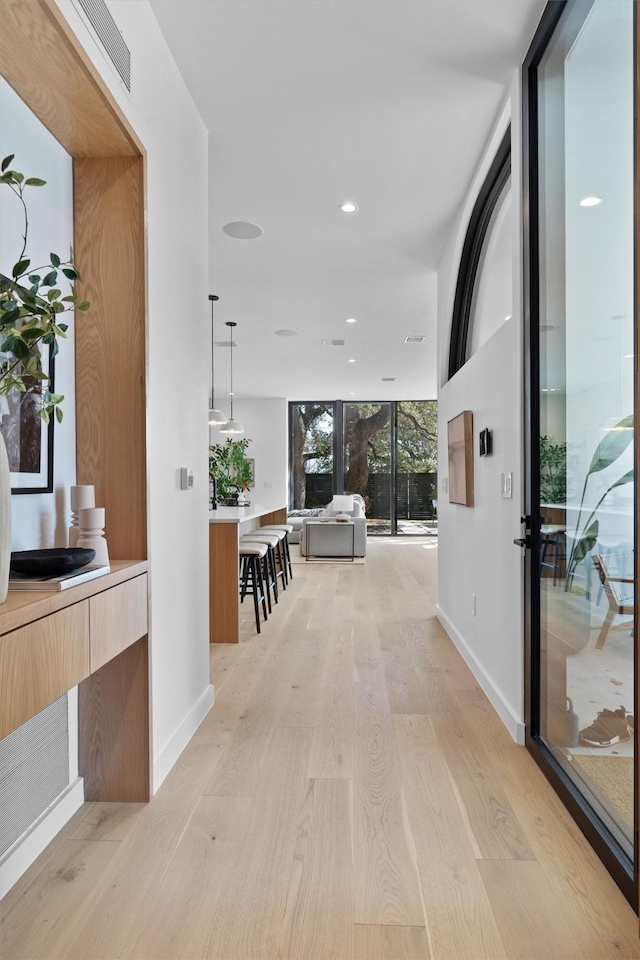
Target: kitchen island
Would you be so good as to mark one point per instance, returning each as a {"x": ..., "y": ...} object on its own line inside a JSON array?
[{"x": 226, "y": 525}]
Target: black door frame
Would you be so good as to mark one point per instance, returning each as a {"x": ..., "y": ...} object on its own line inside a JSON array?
[{"x": 623, "y": 870}]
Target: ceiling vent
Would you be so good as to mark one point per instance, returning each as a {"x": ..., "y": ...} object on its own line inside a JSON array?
[
  {"x": 414, "y": 339},
  {"x": 388, "y": 379},
  {"x": 333, "y": 343},
  {"x": 110, "y": 37},
  {"x": 225, "y": 343}
]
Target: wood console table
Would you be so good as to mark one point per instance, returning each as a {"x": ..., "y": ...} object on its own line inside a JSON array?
[
  {"x": 225, "y": 526},
  {"x": 94, "y": 635}
]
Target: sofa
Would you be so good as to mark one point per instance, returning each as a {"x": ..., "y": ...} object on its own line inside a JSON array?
[{"x": 351, "y": 505}]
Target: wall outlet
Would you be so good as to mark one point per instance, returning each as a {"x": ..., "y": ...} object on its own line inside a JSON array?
[
  {"x": 473, "y": 604},
  {"x": 506, "y": 485},
  {"x": 186, "y": 478}
]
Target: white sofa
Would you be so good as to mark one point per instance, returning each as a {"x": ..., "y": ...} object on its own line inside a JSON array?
[{"x": 351, "y": 505}]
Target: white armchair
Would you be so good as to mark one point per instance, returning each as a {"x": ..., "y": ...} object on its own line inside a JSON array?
[{"x": 353, "y": 506}]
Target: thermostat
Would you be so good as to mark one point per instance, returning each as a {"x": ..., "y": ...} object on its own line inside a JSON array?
[{"x": 186, "y": 478}]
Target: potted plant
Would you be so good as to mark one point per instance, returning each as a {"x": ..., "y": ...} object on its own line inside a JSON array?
[
  {"x": 32, "y": 309},
  {"x": 231, "y": 470}
]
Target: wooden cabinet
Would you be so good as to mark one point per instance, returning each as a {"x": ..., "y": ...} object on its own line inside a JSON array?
[{"x": 94, "y": 635}]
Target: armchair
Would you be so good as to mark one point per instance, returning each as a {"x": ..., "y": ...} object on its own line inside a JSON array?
[{"x": 616, "y": 572}]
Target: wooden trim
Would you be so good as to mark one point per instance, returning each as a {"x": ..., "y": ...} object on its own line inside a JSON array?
[
  {"x": 276, "y": 516},
  {"x": 114, "y": 753},
  {"x": 110, "y": 346},
  {"x": 118, "y": 617},
  {"x": 42, "y": 59}
]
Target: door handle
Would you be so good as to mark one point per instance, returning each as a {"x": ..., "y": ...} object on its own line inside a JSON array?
[{"x": 523, "y": 542}]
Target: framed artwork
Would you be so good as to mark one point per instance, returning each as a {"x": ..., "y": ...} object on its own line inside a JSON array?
[
  {"x": 29, "y": 440},
  {"x": 252, "y": 465},
  {"x": 460, "y": 443}
]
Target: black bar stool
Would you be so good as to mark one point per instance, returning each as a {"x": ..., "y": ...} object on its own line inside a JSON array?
[{"x": 251, "y": 577}]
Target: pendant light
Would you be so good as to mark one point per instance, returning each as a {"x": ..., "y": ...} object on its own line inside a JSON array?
[
  {"x": 216, "y": 417},
  {"x": 231, "y": 426}
]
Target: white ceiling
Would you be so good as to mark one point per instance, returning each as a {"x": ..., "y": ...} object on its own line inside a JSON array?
[{"x": 313, "y": 102}]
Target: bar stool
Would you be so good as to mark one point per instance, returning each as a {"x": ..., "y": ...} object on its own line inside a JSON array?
[
  {"x": 270, "y": 573},
  {"x": 280, "y": 553},
  {"x": 285, "y": 528},
  {"x": 251, "y": 576}
]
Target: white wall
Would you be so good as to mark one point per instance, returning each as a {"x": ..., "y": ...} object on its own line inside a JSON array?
[
  {"x": 265, "y": 423},
  {"x": 41, "y": 520},
  {"x": 161, "y": 111},
  {"x": 476, "y": 551}
]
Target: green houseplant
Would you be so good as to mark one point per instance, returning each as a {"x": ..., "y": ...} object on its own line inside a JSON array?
[
  {"x": 32, "y": 309},
  {"x": 553, "y": 470},
  {"x": 229, "y": 467}
]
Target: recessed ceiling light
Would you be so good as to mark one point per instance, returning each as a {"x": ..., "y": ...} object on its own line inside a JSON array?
[
  {"x": 286, "y": 333},
  {"x": 351, "y": 320},
  {"x": 414, "y": 339},
  {"x": 351, "y": 361},
  {"x": 352, "y": 394},
  {"x": 590, "y": 201},
  {"x": 242, "y": 230},
  {"x": 349, "y": 206},
  {"x": 388, "y": 379}
]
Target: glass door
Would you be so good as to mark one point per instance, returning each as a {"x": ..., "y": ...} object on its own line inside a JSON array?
[
  {"x": 367, "y": 445},
  {"x": 416, "y": 455},
  {"x": 582, "y": 393}
]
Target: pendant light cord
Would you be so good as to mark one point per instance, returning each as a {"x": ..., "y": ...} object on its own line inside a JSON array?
[
  {"x": 212, "y": 298},
  {"x": 231, "y": 325}
]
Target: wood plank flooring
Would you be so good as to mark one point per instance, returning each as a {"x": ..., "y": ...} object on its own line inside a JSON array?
[{"x": 351, "y": 796}]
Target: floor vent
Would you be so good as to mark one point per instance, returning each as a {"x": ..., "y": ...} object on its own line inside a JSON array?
[
  {"x": 414, "y": 339},
  {"x": 34, "y": 770},
  {"x": 105, "y": 27}
]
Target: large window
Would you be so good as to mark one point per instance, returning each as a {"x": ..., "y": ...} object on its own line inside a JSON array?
[{"x": 386, "y": 452}]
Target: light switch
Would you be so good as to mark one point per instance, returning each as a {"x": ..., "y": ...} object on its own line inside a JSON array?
[
  {"x": 186, "y": 478},
  {"x": 506, "y": 482}
]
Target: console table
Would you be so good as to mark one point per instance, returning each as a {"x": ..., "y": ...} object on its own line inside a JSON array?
[
  {"x": 225, "y": 526},
  {"x": 93, "y": 635}
]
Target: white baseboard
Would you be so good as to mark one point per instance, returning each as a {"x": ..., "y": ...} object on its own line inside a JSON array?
[
  {"x": 512, "y": 722},
  {"x": 27, "y": 848},
  {"x": 170, "y": 753}
]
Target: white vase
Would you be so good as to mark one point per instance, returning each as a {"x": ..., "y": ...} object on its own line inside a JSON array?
[
  {"x": 82, "y": 495},
  {"x": 91, "y": 521},
  {"x": 5, "y": 521}
]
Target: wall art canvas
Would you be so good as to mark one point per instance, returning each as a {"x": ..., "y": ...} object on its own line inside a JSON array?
[
  {"x": 29, "y": 440},
  {"x": 460, "y": 443}
]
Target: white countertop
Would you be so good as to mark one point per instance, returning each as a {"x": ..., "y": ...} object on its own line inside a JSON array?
[{"x": 238, "y": 514}]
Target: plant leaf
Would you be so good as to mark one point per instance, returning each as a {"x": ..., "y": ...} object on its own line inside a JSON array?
[
  {"x": 55, "y": 259},
  {"x": 34, "y": 182},
  {"x": 70, "y": 273},
  {"x": 20, "y": 268},
  {"x": 612, "y": 445},
  {"x": 50, "y": 278},
  {"x": 6, "y": 162}
]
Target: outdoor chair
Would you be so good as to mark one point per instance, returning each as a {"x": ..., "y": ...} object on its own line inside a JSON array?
[{"x": 616, "y": 572}]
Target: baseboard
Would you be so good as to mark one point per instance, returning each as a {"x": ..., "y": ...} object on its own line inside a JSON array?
[
  {"x": 165, "y": 761},
  {"x": 27, "y": 848},
  {"x": 514, "y": 725}
]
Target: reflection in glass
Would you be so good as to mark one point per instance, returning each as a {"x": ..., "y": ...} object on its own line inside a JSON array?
[
  {"x": 416, "y": 467},
  {"x": 492, "y": 303},
  {"x": 367, "y": 439},
  {"x": 587, "y": 563}
]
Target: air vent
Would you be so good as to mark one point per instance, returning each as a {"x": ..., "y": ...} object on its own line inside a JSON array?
[
  {"x": 225, "y": 343},
  {"x": 414, "y": 339},
  {"x": 110, "y": 37},
  {"x": 388, "y": 379},
  {"x": 333, "y": 343}
]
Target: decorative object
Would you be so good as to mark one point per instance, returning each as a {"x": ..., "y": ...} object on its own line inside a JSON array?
[
  {"x": 229, "y": 468},
  {"x": 216, "y": 417},
  {"x": 83, "y": 495},
  {"x": 460, "y": 443},
  {"x": 486, "y": 444},
  {"x": 342, "y": 518},
  {"x": 50, "y": 563},
  {"x": 231, "y": 426},
  {"x": 91, "y": 533}
]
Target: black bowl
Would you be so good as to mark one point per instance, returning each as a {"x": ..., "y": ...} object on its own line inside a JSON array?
[{"x": 50, "y": 563}]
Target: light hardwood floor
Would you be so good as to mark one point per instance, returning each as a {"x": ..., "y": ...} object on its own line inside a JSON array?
[{"x": 351, "y": 796}]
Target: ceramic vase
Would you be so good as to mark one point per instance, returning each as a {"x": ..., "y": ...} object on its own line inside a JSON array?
[
  {"x": 81, "y": 496},
  {"x": 5, "y": 521},
  {"x": 91, "y": 520}
]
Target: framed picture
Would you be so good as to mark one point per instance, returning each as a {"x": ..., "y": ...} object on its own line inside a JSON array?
[
  {"x": 460, "y": 443},
  {"x": 29, "y": 440},
  {"x": 252, "y": 464}
]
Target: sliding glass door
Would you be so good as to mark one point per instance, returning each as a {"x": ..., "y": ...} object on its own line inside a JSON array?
[
  {"x": 581, "y": 512},
  {"x": 385, "y": 451}
]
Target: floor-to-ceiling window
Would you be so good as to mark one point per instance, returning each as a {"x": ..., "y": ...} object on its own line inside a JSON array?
[
  {"x": 385, "y": 451},
  {"x": 582, "y": 394}
]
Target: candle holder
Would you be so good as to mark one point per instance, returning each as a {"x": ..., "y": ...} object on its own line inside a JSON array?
[{"x": 83, "y": 495}]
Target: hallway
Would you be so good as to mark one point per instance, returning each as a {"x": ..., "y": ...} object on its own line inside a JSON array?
[{"x": 352, "y": 795}]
